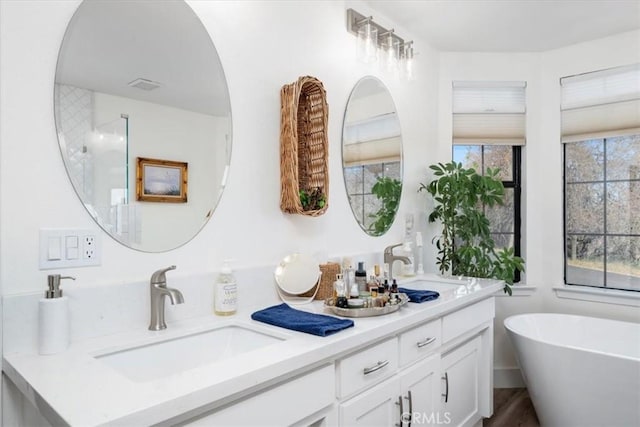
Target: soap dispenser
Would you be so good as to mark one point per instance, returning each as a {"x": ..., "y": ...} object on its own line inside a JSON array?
[
  {"x": 226, "y": 291},
  {"x": 408, "y": 269},
  {"x": 53, "y": 318}
]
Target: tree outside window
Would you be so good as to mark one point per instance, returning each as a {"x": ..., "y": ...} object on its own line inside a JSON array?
[
  {"x": 602, "y": 212},
  {"x": 505, "y": 219}
]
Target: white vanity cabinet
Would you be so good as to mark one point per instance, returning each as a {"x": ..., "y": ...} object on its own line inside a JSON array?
[
  {"x": 460, "y": 368},
  {"x": 304, "y": 401},
  {"x": 420, "y": 392},
  {"x": 408, "y": 396},
  {"x": 442, "y": 374},
  {"x": 467, "y": 364},
  {"x": 428, "y": 364},
  {"x": 375, "y": 407}
]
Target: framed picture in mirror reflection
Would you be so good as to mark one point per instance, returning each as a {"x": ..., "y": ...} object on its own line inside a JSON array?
[{"x": 162, "y": 181}]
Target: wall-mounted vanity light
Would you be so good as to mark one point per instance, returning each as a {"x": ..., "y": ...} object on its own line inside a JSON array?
[
  {"x": 375, "y": 42},
  {"x": 367, "y": 44}
]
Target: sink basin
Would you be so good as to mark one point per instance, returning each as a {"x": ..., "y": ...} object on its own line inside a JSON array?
[
  {"x": 161, "y": 359},
  {"x": 443, "y": 288}
]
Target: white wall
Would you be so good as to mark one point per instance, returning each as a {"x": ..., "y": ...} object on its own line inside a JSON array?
[
  {"x": 262, "y": 46},
  {"x": 542, "y": 161}
]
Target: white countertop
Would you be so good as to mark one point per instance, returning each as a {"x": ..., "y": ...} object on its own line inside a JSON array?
[{"x": 75, "y": 388}]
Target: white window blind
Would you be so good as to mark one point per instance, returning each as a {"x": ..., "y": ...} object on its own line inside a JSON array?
[
  {"x": 373, "y": 140},
  {"x": 601, "y": 103},
  {"x": 489, "y": 113}
]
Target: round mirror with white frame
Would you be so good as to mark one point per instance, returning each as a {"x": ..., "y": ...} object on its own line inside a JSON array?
[
  {"x": 143, "y": 118},
  {"x": 372, "y": 155}
]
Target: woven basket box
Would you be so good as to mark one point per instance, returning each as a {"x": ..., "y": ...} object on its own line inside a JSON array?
[
  {"x": 325, "y": 286},
  {"x": 304, "y": 148}
]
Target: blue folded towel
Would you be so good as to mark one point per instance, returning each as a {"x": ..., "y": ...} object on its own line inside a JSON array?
[
  {"x": 286, "y": 317},
  {"x": 419, "y": 296}
]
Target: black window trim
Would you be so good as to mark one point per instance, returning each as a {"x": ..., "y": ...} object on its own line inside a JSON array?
[{"x": 516, "y": 184}]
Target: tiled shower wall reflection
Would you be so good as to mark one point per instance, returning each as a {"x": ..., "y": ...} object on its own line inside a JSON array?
[{"x": 74, "y": 122}]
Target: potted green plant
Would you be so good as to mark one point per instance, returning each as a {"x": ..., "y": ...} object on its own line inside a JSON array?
[{"x": 465, "y": 246}]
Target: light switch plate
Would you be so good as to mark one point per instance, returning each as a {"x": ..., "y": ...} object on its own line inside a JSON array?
[{"x": 69, "y": 247}]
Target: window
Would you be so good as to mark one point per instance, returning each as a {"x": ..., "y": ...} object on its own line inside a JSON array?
[
  {"x": 359, "y": 181},
  {"x": 489, "y": 132},
  {"x": 601, "y": 136},
  {"x": 505, "y": 220}
]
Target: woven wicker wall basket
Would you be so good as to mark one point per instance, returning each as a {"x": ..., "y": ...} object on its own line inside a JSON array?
[{"x": 304, "y": 147}]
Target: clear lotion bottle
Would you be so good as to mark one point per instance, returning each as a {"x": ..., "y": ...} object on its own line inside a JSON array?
[{"x": 226, "y": 292}]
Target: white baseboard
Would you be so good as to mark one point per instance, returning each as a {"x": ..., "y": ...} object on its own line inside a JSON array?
[{"x": 507, "y": 378}]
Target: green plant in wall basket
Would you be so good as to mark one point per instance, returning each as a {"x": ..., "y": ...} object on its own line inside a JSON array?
[
  {"x": 312, "y": 200},
  {"x": 465, "y": 246}
]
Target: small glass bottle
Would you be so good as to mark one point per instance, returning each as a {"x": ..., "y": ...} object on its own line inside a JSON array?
[
  {"x": 361, "y": 277},
  {"x": 341, "y": 292},
  {"x": 383, "y": 297},
  {"x": 354, "y": 292},
  {"x": 372, "y": 283},
  {"x": 394, "y": 297}
]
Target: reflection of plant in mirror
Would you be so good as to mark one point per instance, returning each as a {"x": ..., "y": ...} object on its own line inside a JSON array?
[
  {"x": 388, "y": 191},
  {"x": 466, "y": 247},
  {"x": 312, "y": 200}
]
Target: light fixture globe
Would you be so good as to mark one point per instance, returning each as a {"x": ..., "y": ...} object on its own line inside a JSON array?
[{"x": 367, "y": 44}]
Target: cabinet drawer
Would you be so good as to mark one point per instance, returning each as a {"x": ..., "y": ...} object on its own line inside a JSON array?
[
  {"x": 419, "y": 342},
  {"x": 461, "y": 321},
  {"x": 367, "y": 367},
  {"x": 284, "y": 404}
]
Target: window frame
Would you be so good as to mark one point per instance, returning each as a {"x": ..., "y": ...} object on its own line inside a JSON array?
[
  {"x": 516, "y": 184},
  {"x": 604, "y": 234}
]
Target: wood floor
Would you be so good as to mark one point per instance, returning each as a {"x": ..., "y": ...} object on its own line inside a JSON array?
[{"x": 512, "y": 407}]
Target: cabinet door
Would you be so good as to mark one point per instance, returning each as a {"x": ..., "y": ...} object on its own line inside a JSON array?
[
  {"x": 420, "y": 386},
  {"x": 461, "y": 379},
  {"x": 377, "y": 407}
]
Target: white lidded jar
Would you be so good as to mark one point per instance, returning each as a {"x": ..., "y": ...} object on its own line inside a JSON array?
[{"x": 226, "y": 292}]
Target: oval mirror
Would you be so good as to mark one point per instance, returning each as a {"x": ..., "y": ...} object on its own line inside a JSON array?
[
  {"x": 143, "y": 119},
  {"x": 372, "y": 155}
]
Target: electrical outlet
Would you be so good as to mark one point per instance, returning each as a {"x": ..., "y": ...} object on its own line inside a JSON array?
[
  {"x": 88, "y": 247},
  {"x": 62, "y": 248}
]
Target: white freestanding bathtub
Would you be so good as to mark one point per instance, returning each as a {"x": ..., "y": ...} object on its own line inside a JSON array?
[{"x": 579, "y": 371}]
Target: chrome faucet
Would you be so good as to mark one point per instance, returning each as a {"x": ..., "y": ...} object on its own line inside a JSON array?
[
  {"x": 158, "y": 287},
  {"x": 389, "y": 258}
]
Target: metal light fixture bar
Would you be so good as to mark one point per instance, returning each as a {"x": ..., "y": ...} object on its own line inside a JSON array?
[{"x": 355, "y": 20}]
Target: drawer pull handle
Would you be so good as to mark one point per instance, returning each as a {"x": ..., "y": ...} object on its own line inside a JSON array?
[
  {"x": 410, "y": 399},
  {"x": 399, "y": 402},
  {"x": 446, "y": 381},
  {"x": 426, "y": 342},
  {"x": 378, "y": 366}
]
